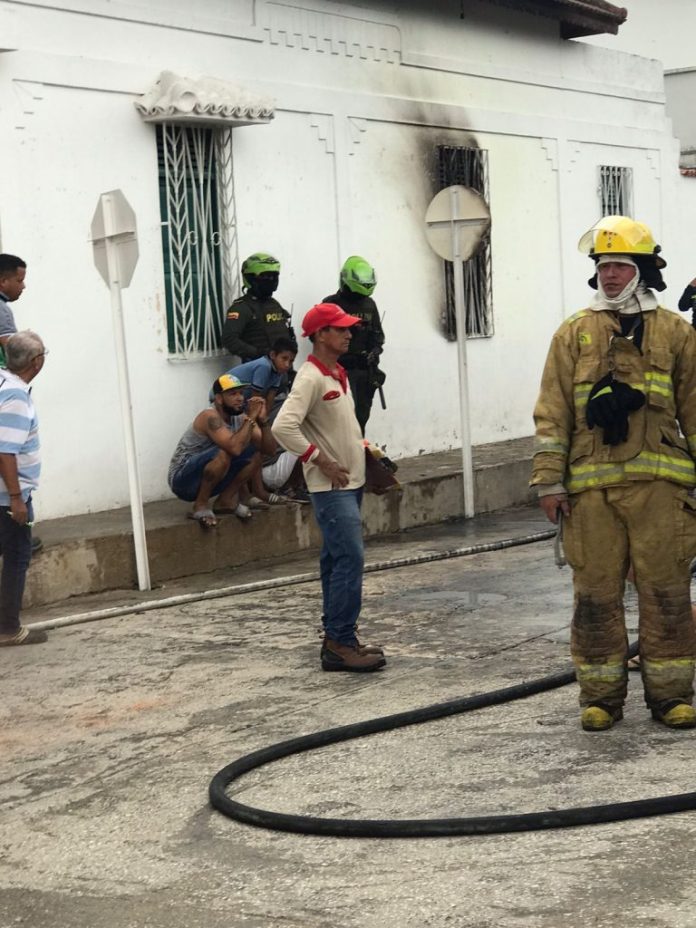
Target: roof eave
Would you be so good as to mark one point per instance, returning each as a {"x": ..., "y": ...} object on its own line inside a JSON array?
[{"x": 576, "y": 17}]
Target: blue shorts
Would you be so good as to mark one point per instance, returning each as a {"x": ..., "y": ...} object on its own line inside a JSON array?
[{"x": 187, "y": 480}]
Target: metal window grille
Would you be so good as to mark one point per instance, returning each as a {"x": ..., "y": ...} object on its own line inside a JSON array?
[
  {"x": 469, "y": 167},
  {"x": 198, "y": 235},
  {"x": 615, "y": 192}
]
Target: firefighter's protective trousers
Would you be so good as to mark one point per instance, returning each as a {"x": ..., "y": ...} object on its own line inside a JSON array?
[
  {"x": 651, "y": 526},
  {"x": 630, "y": 503}
]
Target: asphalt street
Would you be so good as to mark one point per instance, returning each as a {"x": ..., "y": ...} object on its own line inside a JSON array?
[{"x": 112, "y": 731}]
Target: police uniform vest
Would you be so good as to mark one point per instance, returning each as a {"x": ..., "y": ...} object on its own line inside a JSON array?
[{"x": 255, "y": 324}]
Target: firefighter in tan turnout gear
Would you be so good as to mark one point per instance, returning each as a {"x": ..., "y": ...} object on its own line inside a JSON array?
[{"x": 616, "y": 441}]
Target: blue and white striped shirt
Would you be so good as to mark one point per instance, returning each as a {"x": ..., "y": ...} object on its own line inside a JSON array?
[{"x": 19, "y": 433}]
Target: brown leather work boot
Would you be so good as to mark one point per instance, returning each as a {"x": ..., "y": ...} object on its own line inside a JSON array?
[
  {"x": 364, "y": 648},
  {"x": 361, "y": 646},
  {"x": 335, "y": 656},
  {"x": 369, "y": 648}
]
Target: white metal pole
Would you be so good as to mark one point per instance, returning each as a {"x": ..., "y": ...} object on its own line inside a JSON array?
[
  {"x": 136, "y": 498},
  {"x": 460, "y": 316}
]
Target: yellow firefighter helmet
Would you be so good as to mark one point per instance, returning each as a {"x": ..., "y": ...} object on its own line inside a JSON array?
[{"x": 620, "y": 235}]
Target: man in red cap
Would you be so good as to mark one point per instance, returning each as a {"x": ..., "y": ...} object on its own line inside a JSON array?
[{"x": 317, "y": 422}]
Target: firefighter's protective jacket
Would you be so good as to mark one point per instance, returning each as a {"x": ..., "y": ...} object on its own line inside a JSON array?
[{"x": 586, "y": 347}]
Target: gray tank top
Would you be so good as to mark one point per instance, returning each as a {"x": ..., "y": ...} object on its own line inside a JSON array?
[{"x": 192, "y": 443}]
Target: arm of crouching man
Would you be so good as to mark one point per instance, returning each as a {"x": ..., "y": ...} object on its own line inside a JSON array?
[
  {"x": 212, "y": 424},
  {"x": 261, "y": 434}
]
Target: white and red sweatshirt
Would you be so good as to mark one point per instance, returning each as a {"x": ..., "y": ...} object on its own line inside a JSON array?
[{"x": 319, "y": 415}]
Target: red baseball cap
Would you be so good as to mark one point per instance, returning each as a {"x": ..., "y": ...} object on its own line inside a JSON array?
[{"x": 326, "y": 314}]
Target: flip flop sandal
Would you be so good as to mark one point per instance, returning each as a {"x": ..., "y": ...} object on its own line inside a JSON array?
[
  {"x": 255, "y": 503},
  {"x": 241, "y": 511},
  {"x": 205, "y": 518},
  {"x": 277, "y": 499}
]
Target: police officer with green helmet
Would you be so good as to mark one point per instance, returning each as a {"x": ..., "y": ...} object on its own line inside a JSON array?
[
  {"x": 255, "y": 320},
  {"x": 357, "y": 284}
]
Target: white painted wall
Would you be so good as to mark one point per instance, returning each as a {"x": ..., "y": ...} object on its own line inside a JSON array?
[
  {"x": 664, "y": 31},
  {"x": 346, "y": 166}
]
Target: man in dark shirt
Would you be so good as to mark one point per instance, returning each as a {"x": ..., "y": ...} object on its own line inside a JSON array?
[
  {"x": 12, "y": 273},
  {"x": 256, "y": 320},
  {"x": 358, "y": 282},
  {"x": 687, "y": 301}
]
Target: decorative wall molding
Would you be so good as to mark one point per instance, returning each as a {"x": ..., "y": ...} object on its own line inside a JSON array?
[
  {"x": 29, "y": 94},
  {"x": 654, "y": 161},
  {"x": 356, "y": 127},
  {"x": 573, "y": 151},
  {"x": 221, "y": 17},
  {"x": 183, "y": 101},
  {"x": 550, "y": 146},
  {"x": 332, "y": 33},
  {"x": 497, "y": 71},
  {"x": 324, "y": 125}
]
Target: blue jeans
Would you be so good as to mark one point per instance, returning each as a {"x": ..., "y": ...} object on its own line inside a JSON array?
[
  {"x": 341, "y": 561},
  {"x": 187, "y": 480},
  {"x": 15, "y": 541}
]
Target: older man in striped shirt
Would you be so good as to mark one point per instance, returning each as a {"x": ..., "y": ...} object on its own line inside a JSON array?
[{"x": 20, "y": 466}]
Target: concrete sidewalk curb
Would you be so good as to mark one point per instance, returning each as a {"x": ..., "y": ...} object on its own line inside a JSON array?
[{"x": 94, "y": 553}]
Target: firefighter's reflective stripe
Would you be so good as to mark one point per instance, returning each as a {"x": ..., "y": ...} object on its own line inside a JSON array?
[
  {"x": 647, "y": 465},
  {"x": 554, "y": 445},
  {"x": 662, "y": 465},
  {"x": 666, "y": 677},
  {"x": 587, "y": 476},
  {"x": 607, "y": 671},
  {"x": 581, "y": 392},
  {"x": 668, "y": 663},
  {"x": 579, "y": 315},
  {"x": 691, "y": 440},
  {"x": 659, "y": 383},
  {"x": 654, "y": 383}
]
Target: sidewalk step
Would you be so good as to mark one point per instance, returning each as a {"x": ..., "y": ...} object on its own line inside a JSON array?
[{"x": 94, "y": 552}]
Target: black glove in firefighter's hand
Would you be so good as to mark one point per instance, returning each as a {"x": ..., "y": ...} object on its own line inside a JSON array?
[{"x": 609, "y": 405}]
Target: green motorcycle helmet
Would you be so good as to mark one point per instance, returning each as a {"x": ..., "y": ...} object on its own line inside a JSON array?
[
  {"x": 259, "y": 263},
  {"x": 358, "y": 276}
]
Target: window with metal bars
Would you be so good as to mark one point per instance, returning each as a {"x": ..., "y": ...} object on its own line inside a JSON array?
[
  {"x": 469, "y": 167},
  {"x": 198, "y": 235},
  {"x": 615, "y": 192}
]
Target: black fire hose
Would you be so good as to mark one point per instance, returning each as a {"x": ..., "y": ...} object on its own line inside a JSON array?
[{"x": 426, "y": 828}]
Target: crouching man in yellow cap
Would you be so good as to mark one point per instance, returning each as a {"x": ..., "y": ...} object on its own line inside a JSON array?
[
  {"x": 616, "y": 440},
  {"x": 220, "y": 452}
]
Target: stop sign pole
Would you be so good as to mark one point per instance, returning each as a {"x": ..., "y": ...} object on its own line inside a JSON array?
[
  {"x": 115, "y": 247},
  {"x": 455, "y": 222}
]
